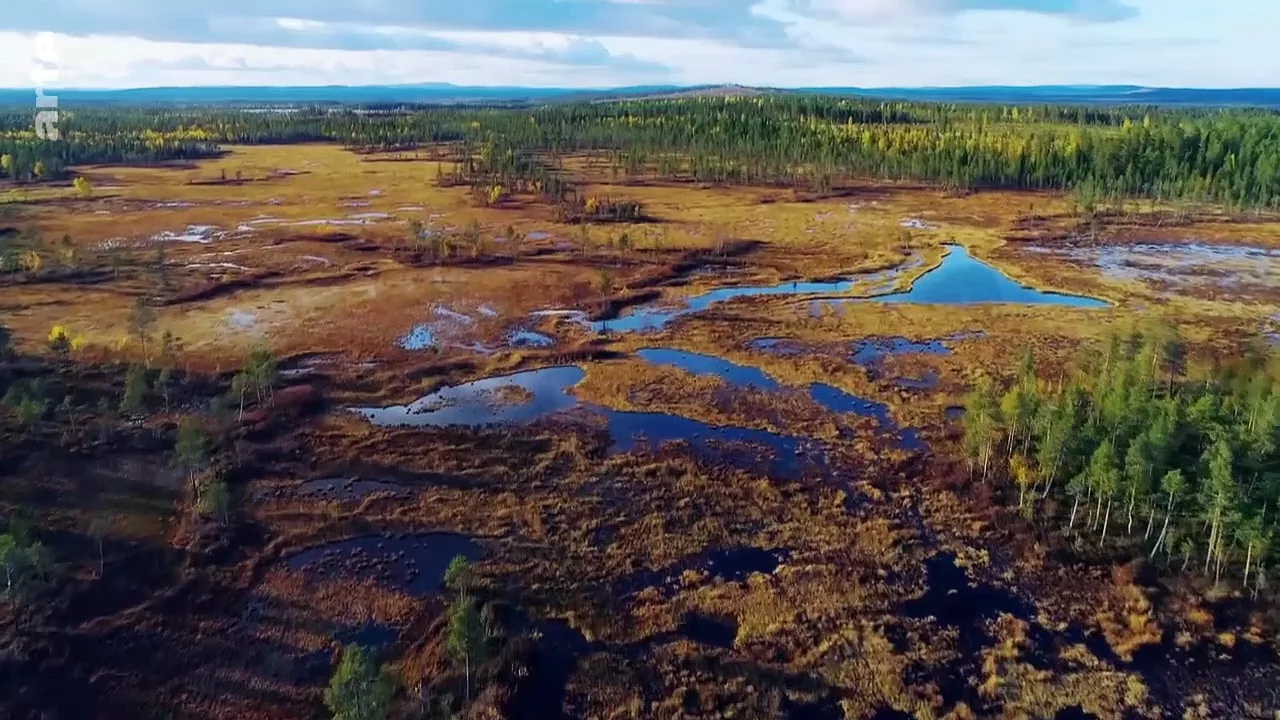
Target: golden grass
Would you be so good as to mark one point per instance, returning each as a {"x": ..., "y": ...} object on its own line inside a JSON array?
[{"x": 335, "y": 294}]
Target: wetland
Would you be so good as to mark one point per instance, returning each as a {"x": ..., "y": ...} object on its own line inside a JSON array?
[{"x": 666, "y": 434}]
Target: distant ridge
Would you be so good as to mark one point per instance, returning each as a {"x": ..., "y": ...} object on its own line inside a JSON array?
[{"x": 443, "y": 93}]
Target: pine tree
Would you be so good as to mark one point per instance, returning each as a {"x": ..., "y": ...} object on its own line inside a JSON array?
[
  {"x": 466, "y": 637},
  {"x": 359, "y": 689},
  {"x": 135, "y": 391}
]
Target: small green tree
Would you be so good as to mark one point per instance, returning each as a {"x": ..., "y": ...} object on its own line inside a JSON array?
[
  {"x": 240, "y": 385},
  {"x": 164, "y": 383},
  {"x": 260, "y": 371},
  {"x": 135, "y": 391},
  {"x": 981, "y": 427},
  {"x": 215, "y": 502},
  {"x": 23, "y": 561},
  {"x": 460, "y": 575},
  {"x": 31, "y": 411},
  {"x": 191, "y": 452},
  {"x": 11, "y": 561},
  {"x": 6, "y": 342},
  {"x": 359, "y": 689},
  {"x": 466, "y": 637}
]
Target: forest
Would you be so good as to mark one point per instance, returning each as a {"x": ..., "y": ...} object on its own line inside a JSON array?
[
  {"x": 1224, "y": 156},
  {"x": 1136, "y": 448}
]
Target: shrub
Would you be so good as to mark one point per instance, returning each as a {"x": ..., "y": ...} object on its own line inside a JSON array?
[{"x": 600, "y": 209}]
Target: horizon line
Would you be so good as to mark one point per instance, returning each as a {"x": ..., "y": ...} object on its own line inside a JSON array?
[{"x": 605, "y": 88}]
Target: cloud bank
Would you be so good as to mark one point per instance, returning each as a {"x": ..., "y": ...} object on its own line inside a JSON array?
[{"x": 592, "y": 43}]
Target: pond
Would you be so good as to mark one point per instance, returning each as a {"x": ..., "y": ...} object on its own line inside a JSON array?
[
  {"x": 529, "y": 338},
  {"x": 350, "y": 489},
  {"x": 953, "y": 600},
  {"x": 421, "y": 337},
  {"x": 412, "y": 563},
  {"x": 827, "y": 396},
  {"x": 962, "y": 279},
  {"x": 728, "y": 564},
  {"x": 478, "y": 403},
  {"x": 787, "y": 455},
  {"x": 698, "y": 364},
  {"x": 648, "y": 318},
  {"x": 872, "y": 351},
  {"x": 541, "y": 393}
]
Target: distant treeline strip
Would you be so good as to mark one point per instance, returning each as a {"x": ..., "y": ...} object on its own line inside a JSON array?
[{"x": 1227, "y": 156}]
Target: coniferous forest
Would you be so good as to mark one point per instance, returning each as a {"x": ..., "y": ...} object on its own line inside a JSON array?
[
  {"x": 1133, "y": 449},
  {"x": 1224, "y": 156}
]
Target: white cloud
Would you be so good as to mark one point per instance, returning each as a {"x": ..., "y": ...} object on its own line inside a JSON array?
[{"x": 595, "y": 43}]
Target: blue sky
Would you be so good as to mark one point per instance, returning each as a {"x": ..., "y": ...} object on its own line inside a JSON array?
[{"x": 599, "y": 43}]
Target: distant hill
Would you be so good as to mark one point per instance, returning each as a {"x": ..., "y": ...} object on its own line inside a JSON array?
[
  {"x": 443, "y": 93},
  {"x": 1075, "y": 94}
]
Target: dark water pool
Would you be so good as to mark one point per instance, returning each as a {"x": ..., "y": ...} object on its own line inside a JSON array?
[
  {"x": 653, "y": 318},
  {"x": 874, "y": 350},
  {"x": 698, "y": 364},
  {"x": 826, "y": 396},
  {"x": 345, "y": 488},
  {"x": 733, "y": 564},
  {"x": 529, "y": 396},
  {"x": 954, "y": 601},
  {"x": 412, "y": 563},
  {"x": 519, "y": 398}
]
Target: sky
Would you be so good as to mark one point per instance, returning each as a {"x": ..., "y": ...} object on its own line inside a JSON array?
[{"x": 613, "y": 43}]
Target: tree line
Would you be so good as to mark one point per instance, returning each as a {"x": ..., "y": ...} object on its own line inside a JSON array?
[
  {"x": 1139, "y": 452},
  {"x": 1229, "y": 156}
]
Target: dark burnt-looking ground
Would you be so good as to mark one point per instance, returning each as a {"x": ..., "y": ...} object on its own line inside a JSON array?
[{"x": 664, "y": 582}]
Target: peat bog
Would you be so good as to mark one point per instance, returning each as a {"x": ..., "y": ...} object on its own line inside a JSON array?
[{"x": 646, "y": 431}]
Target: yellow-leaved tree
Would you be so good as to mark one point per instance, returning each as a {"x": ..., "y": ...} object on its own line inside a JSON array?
[{"x": 60, "y": 341}]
